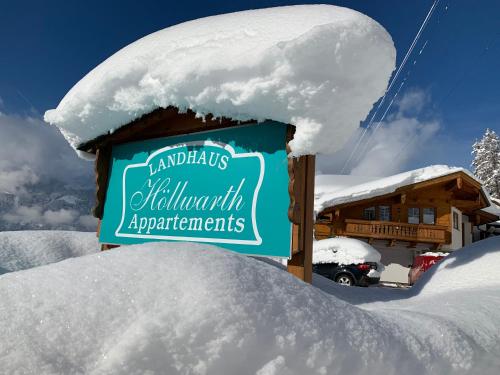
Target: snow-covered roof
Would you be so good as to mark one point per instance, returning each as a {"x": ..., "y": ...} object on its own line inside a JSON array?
[
  {"x": 329, "y": 183},
  {"x": 333, "y": 195},
  {"x": 344, "y": 251},
  {"x": 494, "y": 207},
  {"x": 319, "y": 67}
]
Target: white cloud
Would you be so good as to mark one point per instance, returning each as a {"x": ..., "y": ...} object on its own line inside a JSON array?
[
  {"x": 88, "y": 222},
  {"x": 35, "y": 158},
  {"x": 14, "y": 181},
  {"x": 404, "y": 140},
  {"x": 27, "y": 142},
  {"x": 49, "y": 218},
  {"x": 413, "y": 101},
  {"x": 394, "y": 145},
  {"x": 24, "y": 215},
  {"x": 62, "y": 216}
]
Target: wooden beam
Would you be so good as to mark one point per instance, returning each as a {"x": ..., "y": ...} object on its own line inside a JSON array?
[
  {"x": 162, "y": 122},
  {"x": 451, "y": 185},
  {"x": 477, "y": 219},
  {"x": 483, "y": 217},
  {"x": 468, "y": 203},
  {"x": 106, "y": 246},
  {"x": 301, "y": 213},
  {"x": 101, "y": 167}
]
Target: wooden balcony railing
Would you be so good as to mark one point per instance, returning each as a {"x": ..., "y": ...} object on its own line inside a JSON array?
[{"x": 397, "y": 231}]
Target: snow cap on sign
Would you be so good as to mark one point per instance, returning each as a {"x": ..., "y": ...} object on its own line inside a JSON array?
[{"x": 319, "y": 67}]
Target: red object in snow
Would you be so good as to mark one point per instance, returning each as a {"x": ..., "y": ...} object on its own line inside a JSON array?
[
  {"x": 363, "y": 267},
  {"x": 422, "y": 263}
]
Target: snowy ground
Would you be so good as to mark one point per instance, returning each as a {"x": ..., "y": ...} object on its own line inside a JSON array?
[
  {"x": 194, "y": 309},
  {"x": 20, "y": 250}
]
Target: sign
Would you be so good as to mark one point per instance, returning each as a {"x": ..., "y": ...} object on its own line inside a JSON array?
[{"x": 227, "y": 187}]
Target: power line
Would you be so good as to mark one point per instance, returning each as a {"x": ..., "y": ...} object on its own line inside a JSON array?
[
  {"x": 452, "y": 90},
  {"x": 379, "y": 123},
  {"x": 401, "y": 66}
]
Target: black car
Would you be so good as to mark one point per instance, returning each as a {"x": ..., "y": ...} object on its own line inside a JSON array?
[{"x": 352, "y": 274}]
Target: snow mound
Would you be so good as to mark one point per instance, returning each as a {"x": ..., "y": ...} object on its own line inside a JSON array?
[
  {"x": 344, "y": 251},
  {"x": 177, "y": 308},
  {"x": 474, "y": 266},
  {"x": 319, "y": 67},
  {"x": 20, "y": 250}
]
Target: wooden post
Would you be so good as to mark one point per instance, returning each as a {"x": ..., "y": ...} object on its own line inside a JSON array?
[
  {"x": 102, "y": 166},
  {"x": 301, "y": 213}
]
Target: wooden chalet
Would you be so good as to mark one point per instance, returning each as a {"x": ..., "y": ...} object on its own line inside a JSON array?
[{"x": 437, "y": 213}]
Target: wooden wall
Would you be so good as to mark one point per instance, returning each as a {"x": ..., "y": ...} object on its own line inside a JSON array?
[{"x": 437, "y": 197}]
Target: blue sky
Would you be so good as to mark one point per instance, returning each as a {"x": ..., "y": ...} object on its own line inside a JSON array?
[{"x": 46, "y": 47}]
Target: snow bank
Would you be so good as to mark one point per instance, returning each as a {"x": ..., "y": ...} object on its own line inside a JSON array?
[
  {"x": 319, "y": 67},
  {"x": 456, "y": 303},
  {"x": 473, "y": 266},
  {"x": 344, "y": 251},
  {"x": 26, "y": 249},
  {"x": 175, "y": 308},
  {"x": 328, "y": 197}
]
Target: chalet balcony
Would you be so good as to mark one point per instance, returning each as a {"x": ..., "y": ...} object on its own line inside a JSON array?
[{"x": 436, "y": 234}]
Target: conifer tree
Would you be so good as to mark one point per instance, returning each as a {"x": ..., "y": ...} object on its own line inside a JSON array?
[{"x": 486, "y": 163}]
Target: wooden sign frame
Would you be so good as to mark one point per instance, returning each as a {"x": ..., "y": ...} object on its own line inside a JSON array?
[{"x": 168, "y": 122}]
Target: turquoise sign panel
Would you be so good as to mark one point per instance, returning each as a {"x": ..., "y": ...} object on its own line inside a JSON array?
[{"x": 227, "y": 187}]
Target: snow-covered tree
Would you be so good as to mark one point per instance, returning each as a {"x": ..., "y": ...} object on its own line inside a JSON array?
[{"x": 486, "y": 163}]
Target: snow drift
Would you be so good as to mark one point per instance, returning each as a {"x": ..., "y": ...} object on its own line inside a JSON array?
[
  {"x": 20, "y": 250},
  {"x": 319, "y": 67},
  {"x": 473, "y": 266},
  {"x": 179, "y": 308},
  {"x": 173, "y": 308}
]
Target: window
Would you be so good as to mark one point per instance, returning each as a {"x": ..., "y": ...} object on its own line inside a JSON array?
[
  {"x": 455, "y": 220},
  {"x": 369, "y": 213},
  {"x": 385, "y": 213},
  {"x": 429, "y": 216},
  {"x": 323, "y": 218},
  {"x": 413, "y": 215}
]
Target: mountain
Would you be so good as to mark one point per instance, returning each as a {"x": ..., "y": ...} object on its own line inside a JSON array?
[{"x": 48, "y": 204}]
